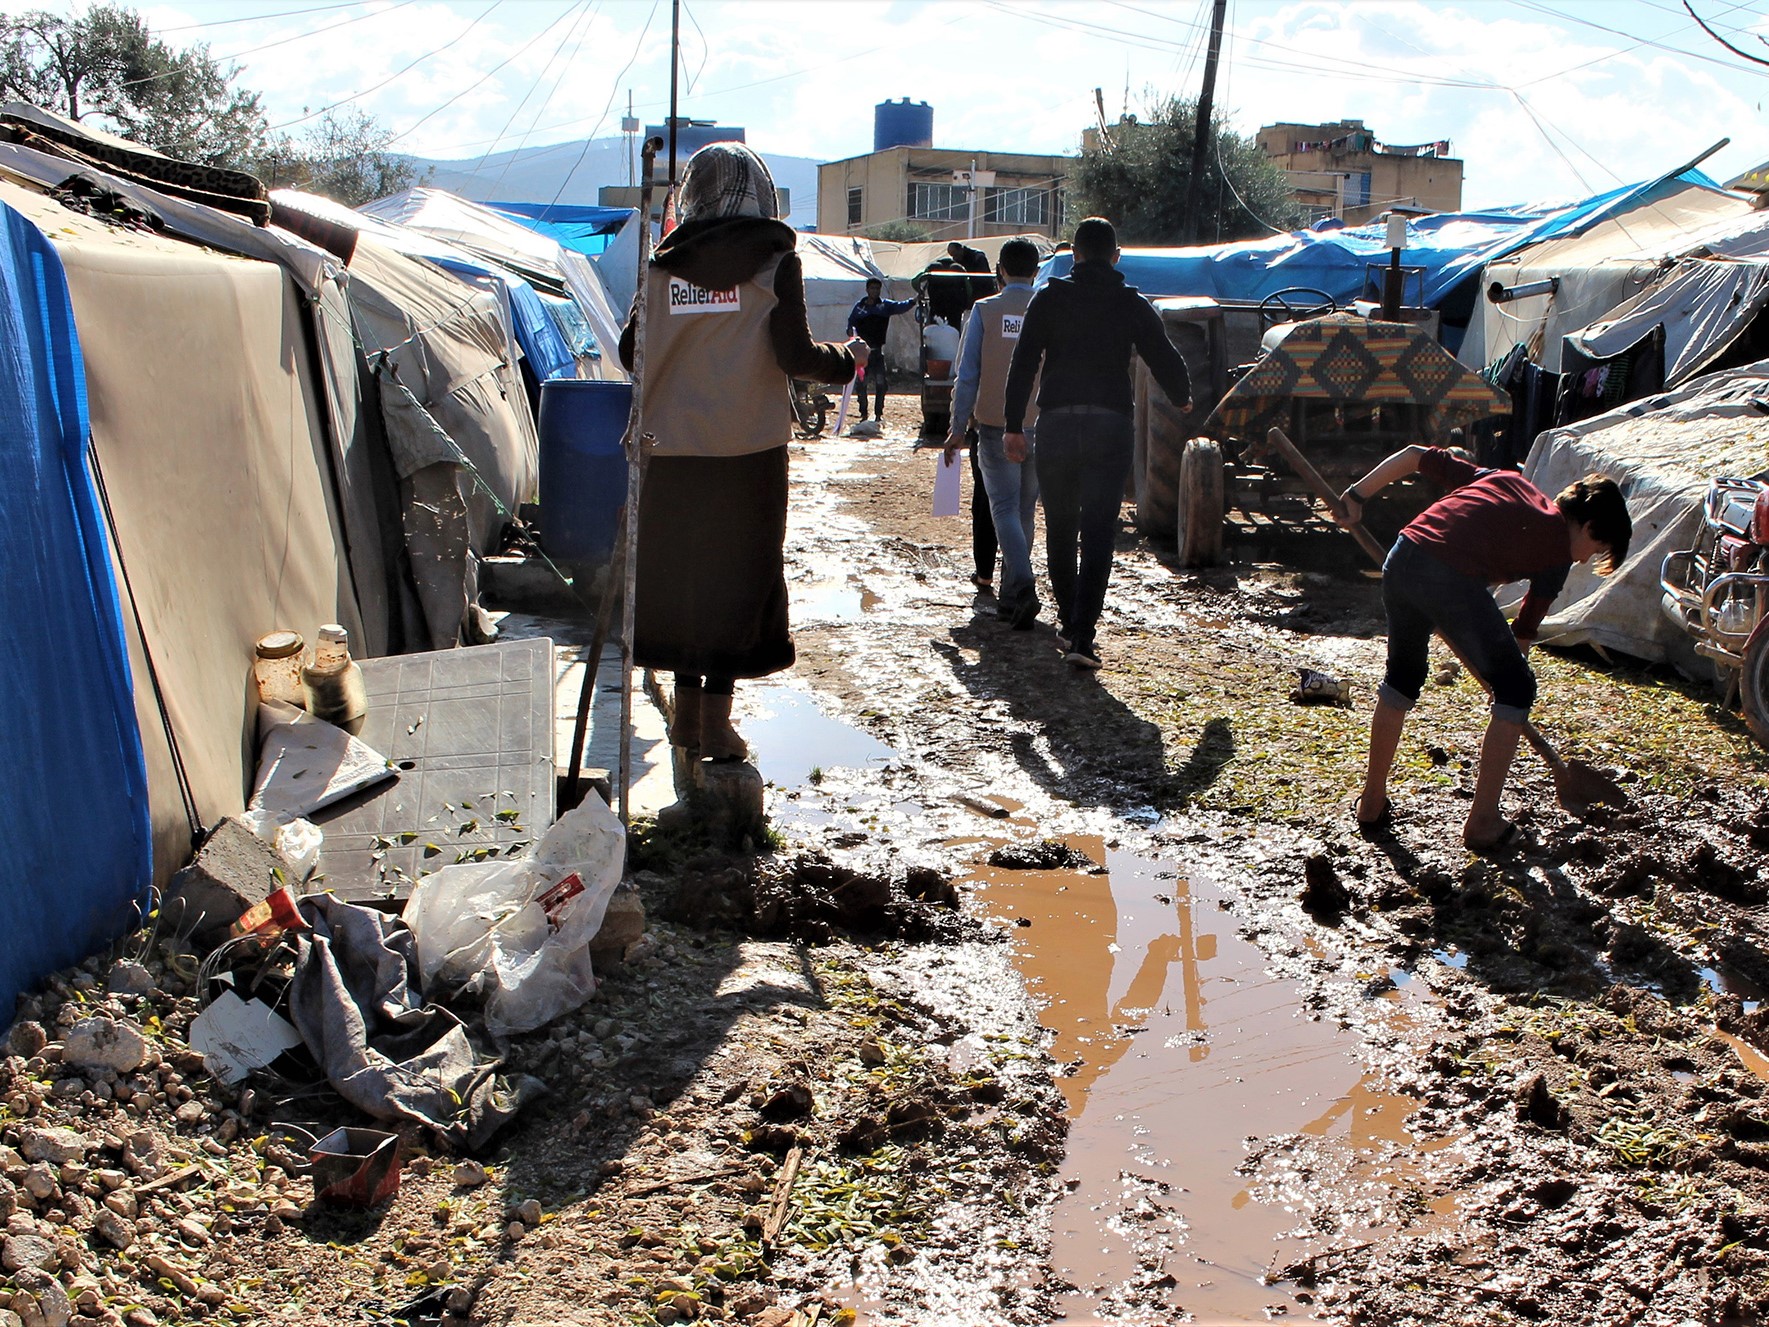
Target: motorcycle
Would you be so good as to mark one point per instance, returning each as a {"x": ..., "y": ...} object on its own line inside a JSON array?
[
  {"x": 1718, "y": 592},
  {"x": 810, "y": 409}
]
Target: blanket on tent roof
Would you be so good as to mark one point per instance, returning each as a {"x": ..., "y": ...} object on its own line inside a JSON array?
[{"x": 1345, "y": 358}]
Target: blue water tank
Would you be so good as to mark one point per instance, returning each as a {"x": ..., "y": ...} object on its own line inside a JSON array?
[
  {"x": 583, "y": 479},
  {"x": 902, "y": 124}
]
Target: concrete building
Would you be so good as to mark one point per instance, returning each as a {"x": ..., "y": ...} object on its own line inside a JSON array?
[
  {"x": 1010, "y": 193},
  {"x": 1342, "y": 170}
]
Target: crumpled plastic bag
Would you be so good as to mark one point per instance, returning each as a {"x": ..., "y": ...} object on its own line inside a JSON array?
[
  {"x": 297, "y": 839},
  {"x": 519, "y": 931}
]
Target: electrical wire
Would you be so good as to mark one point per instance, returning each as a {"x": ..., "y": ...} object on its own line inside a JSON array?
[
  {"x": 586, "y": 20},
  {"x": 400, "y": 73},
  {"x": 613, "y": 92},
  {"x": 706, "y": 49},
  {"x": 471, "y": 87},
  {"x": 260, "y": 18},
  {"x": 272, "y": 45}
]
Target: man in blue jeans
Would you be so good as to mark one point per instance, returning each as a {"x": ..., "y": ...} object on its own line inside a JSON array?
[
  {"x": 1010, "y": 480},
  {"x": 1075, "y": 344}
]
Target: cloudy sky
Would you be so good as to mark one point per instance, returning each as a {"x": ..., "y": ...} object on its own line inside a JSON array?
[{"x": 1541, "y": 98}]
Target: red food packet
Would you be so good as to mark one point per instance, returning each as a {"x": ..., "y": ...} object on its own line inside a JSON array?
[
  {"x": 553, "y": 901},
  {"x": 276, "y": 913}
]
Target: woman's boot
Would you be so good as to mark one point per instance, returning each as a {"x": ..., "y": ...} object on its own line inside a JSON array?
[
  {"x": 685, "y": 725},
  {"x": 718, "y": 739}
]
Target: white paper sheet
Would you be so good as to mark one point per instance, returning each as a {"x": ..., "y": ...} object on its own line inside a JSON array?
[{"x": 946, "y": 487}]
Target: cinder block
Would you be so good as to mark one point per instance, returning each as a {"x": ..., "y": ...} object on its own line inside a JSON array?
[{"x": 234, "y": 870}]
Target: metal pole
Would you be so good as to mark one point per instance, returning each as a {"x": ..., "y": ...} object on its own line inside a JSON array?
[
  {"x": 675, "y": 65},
  {"x": 970, "y": 228},
  {"x": 637, "y": 450}
]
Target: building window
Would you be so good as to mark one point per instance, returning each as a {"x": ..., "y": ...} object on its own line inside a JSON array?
[
  {"x": 854, "y": 209},
  {"x": 1357, "y": 189},
  {"x": 1018, "y": 207},
  {"x": 939, "y": 202}
]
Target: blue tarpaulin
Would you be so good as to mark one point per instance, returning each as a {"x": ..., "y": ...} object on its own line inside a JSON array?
[
  {"x": 575, "y": 225},
  {"x": 78, "y": 846},
  {"x": 539, "y": 336},
  {"x": 1345, "y": 261}
]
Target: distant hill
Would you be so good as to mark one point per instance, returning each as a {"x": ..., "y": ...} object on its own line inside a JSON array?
[{"x": 534, "y": 174}]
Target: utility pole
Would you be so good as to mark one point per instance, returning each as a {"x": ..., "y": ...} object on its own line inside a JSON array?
[
  {"x": 674, "y": 64},
  {"x": 1206, "y": 108}
]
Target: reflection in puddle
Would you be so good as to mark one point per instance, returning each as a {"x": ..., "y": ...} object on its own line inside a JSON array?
[
  {"x": 1722, "y": 982},
  {"x": 1180, "y": 1046},
  {"x": 789, "y": 736},
  {"x": 1748, "y": 1055},
  {"x": 831, "y": 601}
]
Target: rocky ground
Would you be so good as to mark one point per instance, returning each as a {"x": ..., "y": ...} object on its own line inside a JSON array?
[{"x": 818, "y": 1085}]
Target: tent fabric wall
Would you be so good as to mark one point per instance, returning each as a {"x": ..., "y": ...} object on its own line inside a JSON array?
[
  {"x": 319, "y": 276},
  {"x": 461, "y": 442},
  {"x": 208, "y": 431},
  {"x": 1600, "y": 266},
  {"x": 1662, "y": 453},
  {"x": 77, "y": 832}
]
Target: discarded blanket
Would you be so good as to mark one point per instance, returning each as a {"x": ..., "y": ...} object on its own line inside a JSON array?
[{"x": 355, "y": 1000}]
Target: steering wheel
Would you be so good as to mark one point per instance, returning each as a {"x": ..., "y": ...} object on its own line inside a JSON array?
[{"x": 1293, "y": 304}]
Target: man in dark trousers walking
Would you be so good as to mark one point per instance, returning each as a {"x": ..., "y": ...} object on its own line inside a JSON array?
[
  {"x": 870, "y": 320},
  {"x": 1076, "y": 343}
]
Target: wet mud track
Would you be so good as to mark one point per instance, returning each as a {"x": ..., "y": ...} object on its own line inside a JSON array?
[{"x": 1304, "y": 1073}]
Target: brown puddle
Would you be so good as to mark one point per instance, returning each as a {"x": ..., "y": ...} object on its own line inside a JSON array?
[
  {"x": 1748, "y": 1055},
  {"x": 1181, "y": 1046}
]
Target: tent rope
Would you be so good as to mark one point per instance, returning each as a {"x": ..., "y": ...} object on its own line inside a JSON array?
[{"x": 185, "y": 792}]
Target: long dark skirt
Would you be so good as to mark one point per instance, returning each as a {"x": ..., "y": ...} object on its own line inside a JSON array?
[{"x": 712, "y": 581}]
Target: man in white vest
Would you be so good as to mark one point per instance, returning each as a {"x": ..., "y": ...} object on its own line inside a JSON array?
[{"x": 980, "y": 393}]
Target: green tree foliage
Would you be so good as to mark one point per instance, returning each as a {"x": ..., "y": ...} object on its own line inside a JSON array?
[
  {"x": 1137, "y": 176},
  {"x": 901, "y": 232},
  {"x": 104, "y": 68},
  {"x": 343, "y": 156}
]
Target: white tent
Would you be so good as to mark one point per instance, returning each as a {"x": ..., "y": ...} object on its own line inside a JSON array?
[
  {"x": 489, "y": 235},
  {"x": 1599, "y": 268},
  {"x": 1662, "y": 452},
  {"x": 1704, "y": 303}
]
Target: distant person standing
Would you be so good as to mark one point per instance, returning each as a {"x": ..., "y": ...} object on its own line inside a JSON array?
[
  {"x": 981, "y": 285},
  {"x": 870, "y": 320},
  {"x": 1075, "y": 345},
  {"x": 980, "y": 393}
]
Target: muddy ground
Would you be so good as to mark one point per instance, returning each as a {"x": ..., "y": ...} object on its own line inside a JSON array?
[{"x": 1046, "y": 995}]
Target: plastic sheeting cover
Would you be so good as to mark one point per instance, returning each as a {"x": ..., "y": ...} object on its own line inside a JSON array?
[
  {"x": 77, "y": 834},
  {"x": 1662, "y": 452}
]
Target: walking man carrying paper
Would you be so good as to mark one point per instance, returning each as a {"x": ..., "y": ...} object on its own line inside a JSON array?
[{"x": 1082, "y": 330}]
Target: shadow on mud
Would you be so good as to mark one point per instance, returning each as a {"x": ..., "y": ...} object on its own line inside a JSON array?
[{"x": 1095, "y": 750}]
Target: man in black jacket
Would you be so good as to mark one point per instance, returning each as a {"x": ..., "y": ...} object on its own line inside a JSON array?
[{"x": 1082, "y": 329}]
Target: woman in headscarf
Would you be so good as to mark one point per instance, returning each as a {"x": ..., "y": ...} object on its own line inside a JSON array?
[{"x": 726, "y": 331}]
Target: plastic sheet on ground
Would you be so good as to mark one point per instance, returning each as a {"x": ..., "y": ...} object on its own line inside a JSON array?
[
  {"x": 355, "y": 999},
  {"x": 519, "y": 932}
]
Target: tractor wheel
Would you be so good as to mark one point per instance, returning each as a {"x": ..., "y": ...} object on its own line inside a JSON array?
[
  {"x": 1753, "y": 685},
  {"x": 1201, "y": 508}
]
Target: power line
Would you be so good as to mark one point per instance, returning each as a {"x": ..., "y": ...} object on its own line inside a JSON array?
[
  {"x": 357, "y": 96},
  {"x": 261, "y": 18},
  {"x": 517, "y": 54},
  {"x": 271, "y": 45},
  {"x": 613, "y": 91},
  {"x": 582, "y": 28}
]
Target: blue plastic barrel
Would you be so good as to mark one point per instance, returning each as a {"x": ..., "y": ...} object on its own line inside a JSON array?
[{"x": 583, "y": 477}]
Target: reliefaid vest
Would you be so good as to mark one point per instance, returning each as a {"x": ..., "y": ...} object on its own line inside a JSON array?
[
  {"x": 712, "y": 384},
  {"x": 1001, "y": 317}
]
